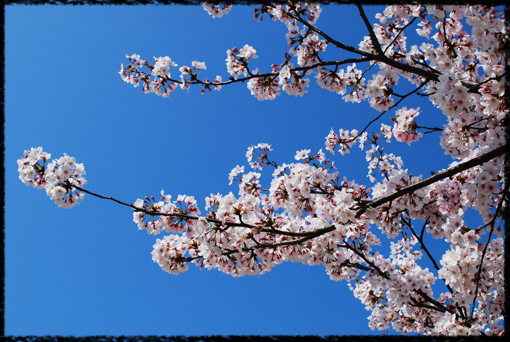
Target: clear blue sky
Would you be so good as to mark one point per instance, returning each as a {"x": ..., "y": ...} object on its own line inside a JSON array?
[{"x": 88, "y": 270}]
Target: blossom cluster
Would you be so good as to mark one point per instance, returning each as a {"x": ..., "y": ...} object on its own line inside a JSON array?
[
  {"x": 237, "y": 60},
  {"x": 161, "y": 69},
  {"x": 173, "y": 218},
  {"x": 404, "y": 129},
  {"x": 217, "y": 11},
  {"x": 339, "y": 81},
  {"x": 57, "y": 177}
]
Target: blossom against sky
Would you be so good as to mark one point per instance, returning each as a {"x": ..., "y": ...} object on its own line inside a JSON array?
[{"x": 88, "y": 270}]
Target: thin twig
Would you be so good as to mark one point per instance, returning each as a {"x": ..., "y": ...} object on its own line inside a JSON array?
[
  {"x": 422, "y": 246},
  {"x": 380, "y": 115},
  {"x": 492, "y": 223}
]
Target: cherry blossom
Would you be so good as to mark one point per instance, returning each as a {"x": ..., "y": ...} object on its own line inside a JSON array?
[
  {"x": 58, "y": 177},
  {"x": 217, "y": 11},
  {"x": 309, "y": 213},
  {"x": 404, "y": 129}
]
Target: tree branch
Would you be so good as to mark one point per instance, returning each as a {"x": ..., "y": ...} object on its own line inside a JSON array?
[
  {"x": 422, "y": 246},
  {"x": 374, "y": 267},
  {"x": 437, "y": 306},
  {"x": 492, "y": 222},
  {"x": 306, "y": 235},
  {"x": 398, "y": 34},
  {"x": 314, "y": 234},
  {"x": 381, "y": 58},
  {"x": 373, "y": 38},
  {"x": 157, "y": 213},
  {"x": 437, "y": 177}
]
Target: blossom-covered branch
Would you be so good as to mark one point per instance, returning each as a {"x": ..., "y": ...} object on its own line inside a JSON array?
[{"x": 309, "y": 213}]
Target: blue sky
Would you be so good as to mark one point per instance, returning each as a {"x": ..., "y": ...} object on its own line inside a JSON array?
[{"x": 88, "y": 270}]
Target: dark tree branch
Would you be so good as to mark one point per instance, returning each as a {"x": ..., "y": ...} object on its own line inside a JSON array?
[
  {"x": 306, "y": 235},
  {"x": 492, "y": 223},
  {"x": 437, "y": 306},
  {"x": 431, "y": 129},
  {"x": 381, "y": 58},
  {"x": 437, "y": 177},
  {"x": 398, "y": 34},
  {"x": 315, "y": 234},
  {"x": 422, "y": 305},
  {"x": 422, "y": 246},
  {"x": 331, "y": 40},
  {"x": 266, "y": 75},
  {"x": 372, "y": 265},
  {"x": 373, "y": 38},
  {"x": 157, "y": 213},
  {"x": 474, "y": 88}
]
